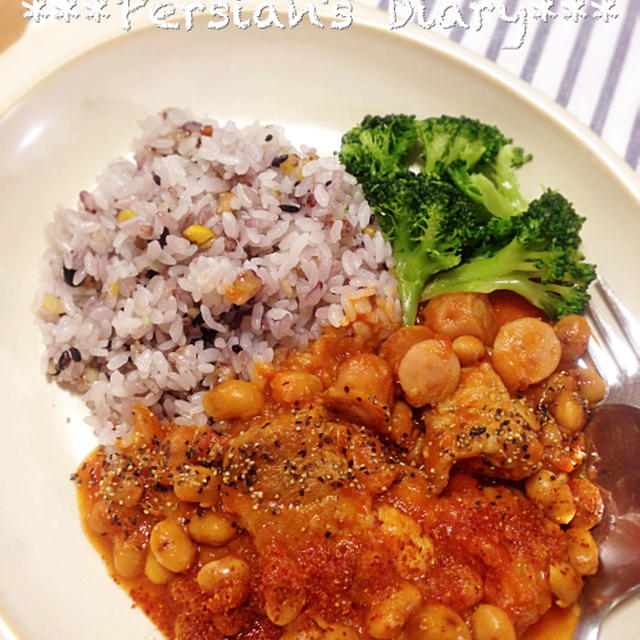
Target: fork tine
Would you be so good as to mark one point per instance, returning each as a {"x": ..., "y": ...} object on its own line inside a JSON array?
[
  {"x": 622, "y": 315},
  {"x": 600, "y": 350}
]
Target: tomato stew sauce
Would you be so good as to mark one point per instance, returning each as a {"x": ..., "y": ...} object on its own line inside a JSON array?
[{"x": 413, "y": 483}]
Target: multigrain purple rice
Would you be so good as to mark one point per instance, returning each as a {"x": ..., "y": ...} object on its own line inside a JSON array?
[{"x": 131, "y": 310}]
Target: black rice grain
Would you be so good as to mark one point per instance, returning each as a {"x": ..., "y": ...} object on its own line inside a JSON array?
[
  {"x": 278, "y": 160},
  {"x": 67, "y": 275},
  {"x": 63, "y": 361},
  {"x": 290, "y": 208}
]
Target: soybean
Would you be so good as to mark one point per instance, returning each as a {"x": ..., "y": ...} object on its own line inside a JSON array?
[
  {"x": 295, "y": 386},
  {"x": 211, "y": 528},
  {"x": 155, "y": 572},
  {"x": 573, "y": 333},
  {"x": 565, "y": 582},
  {"x": 551, "y": 491},
  {"x": 128, "y": 557},
  {"x": 583, "y": 552},
  {"x": 437, "y": 622},
  {"x": 233, "y": 399},
  {"x": 491, "y": 623},
  {"x": 283, "y": 605},
  {"x": 469, "y": 350},
  {"x": 171, "y": 546},
  {"x": 387, "y": 617},
  {"x": 227, "y": 581}
]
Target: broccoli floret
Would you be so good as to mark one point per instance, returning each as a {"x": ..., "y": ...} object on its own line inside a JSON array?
[
  {"x": 541, "y": 261},
  {"x": 379, "y": 146},
  {"x": 430, "y": 225},
  {"x": 446, "y": 140},
  {"x": 461, "y": 223},
  {"x": 477, "y": 158}
]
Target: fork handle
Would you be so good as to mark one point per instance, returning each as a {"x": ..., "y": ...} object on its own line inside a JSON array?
[{"x": 590, "y": 621}]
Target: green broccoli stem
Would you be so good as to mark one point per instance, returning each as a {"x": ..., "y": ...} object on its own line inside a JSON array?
[
  {"x": 512, "y": 268},
  {"x": 480, "y": 189},
  {"x": 495, "y": 202},
  {"x": 413, "y": 267},
  {"x": 508, "y": 159},
  {"x": 410, "y": 299}
]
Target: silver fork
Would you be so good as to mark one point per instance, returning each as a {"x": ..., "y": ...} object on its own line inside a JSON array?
[
  {"x": 615, "y": 347},
  {"x": 613, "y": 438}
]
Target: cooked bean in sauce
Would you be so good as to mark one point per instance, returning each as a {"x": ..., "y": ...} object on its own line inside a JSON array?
[{"x": 411, "y": 483}]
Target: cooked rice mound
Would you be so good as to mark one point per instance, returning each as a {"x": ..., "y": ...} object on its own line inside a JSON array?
[{"x": 140, "y": 302}]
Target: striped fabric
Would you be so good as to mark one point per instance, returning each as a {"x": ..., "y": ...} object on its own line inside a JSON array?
[{"x": 585, "y": 55}]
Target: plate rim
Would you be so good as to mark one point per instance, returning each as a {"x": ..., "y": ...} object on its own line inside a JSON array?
[
  {"x": 19, "y": 85},
  {"x": 89, "y": 37}
]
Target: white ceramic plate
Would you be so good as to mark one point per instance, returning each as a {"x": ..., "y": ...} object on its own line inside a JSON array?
[{"x": 69, "y": 108}]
